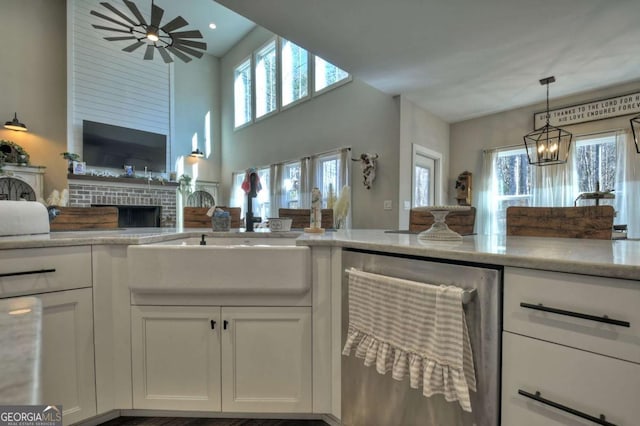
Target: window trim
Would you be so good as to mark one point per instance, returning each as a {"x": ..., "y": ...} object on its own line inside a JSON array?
[
  {"x": 249, "y": 59},
  {"x": 277, "y": 78}
]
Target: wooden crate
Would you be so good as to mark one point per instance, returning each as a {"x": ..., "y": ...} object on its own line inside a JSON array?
[
  {"x": 85, "y": 218},
  {"x": 595, "y": 222}
]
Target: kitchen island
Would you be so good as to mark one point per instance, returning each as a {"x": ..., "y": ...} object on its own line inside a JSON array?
[{"x": 542, "y": 270}]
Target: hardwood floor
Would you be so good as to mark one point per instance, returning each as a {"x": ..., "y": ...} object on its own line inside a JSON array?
[{"x": 186, "y": 421}]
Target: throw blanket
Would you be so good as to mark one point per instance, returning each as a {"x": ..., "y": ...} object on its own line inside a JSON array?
[{"x": 413, "y": 328}]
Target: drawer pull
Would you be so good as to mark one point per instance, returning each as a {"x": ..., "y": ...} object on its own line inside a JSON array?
[
  {"x": 604, "y": 319},
  {"x": 15, "y": 274},
  {"x": 597, "y": 420}
]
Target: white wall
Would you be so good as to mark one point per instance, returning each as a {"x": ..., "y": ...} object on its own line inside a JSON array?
[
  {"x": 418, "y": 126},
  {"x": 196, "y": 97},
  {"x": 353, "y": 115},
  {"x": 33, "y": 82},
  {"x": 469, "y": 138}
]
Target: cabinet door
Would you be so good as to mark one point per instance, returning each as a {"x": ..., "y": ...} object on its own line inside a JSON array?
[
  {"x": 266, "y": 359},
  {"x": 176, "y": 357},
  {"x": 68, "y": 375}
]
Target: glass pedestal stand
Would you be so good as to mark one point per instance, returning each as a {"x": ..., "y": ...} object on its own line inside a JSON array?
[{"x": 439, "y": 231}]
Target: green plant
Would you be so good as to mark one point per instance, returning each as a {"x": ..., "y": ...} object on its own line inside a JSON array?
[
  {"x": 70, "y": 156},
  {"x": 12, "y": 151}
]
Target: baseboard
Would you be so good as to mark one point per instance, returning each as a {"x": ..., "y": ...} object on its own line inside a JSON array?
[
  {"x": 333, "y": 421},
  {"x": 218, "y": 414}
]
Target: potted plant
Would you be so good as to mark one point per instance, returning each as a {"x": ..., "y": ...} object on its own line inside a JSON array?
[{"x": 70, "y": 157}]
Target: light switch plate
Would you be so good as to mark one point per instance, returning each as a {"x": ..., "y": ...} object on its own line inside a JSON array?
[{"x": 388, "y": 204}]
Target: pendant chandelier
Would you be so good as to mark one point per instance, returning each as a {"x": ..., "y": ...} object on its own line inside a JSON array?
[
  {"x": 165, "y": 39},
  {"x": 548, "y": 145},
  {"x": 635, "y": 128}
]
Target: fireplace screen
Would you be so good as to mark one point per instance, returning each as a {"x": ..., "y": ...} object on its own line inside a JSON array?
[{"x": 16, "y": 189}]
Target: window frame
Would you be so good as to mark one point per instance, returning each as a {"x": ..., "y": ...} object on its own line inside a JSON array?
[
  {"x": 254, "y": 55},
  {"x": 310, "y": 57},
  {"x": 248, "y": 59}
]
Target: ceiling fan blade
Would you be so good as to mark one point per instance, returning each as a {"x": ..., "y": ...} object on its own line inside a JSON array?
[
  {"x": 187, "y": 34},
  {"x": 120, "y": 38},
  {"x": 165, "y": 56},
  {"x": 148, "y": 54},
  {"x": 100, "y": 27},
  {"x": 179, "y": 54},
  {"x": 134, "y": 9},
  {"x": 107, "y": 18},
  {"x": 178, "y": 22},
  {"x": 156, "y": 15},
  {"x": 196, "y": 44},
  {"x": 133, "y": 46},
  {"x": 188, "y": 50},
  {"x": 120, "y": 14}
]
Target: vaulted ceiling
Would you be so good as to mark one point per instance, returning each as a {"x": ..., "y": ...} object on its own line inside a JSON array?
[{"x": 461, "y": 59}]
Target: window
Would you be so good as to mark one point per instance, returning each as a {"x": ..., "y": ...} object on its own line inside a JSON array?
[
  {"x": 242, "y": 93},
  {"x": 327, "y": 175},
  {"x": 295, "y": 72},
  {"x": 326, "y": 74},
  {"x": 291, "y": 185},
  {"x": 596, "y": 164},
  {"x": 514, "y": 183},
  {"x": 266, "y": 88},
  {"x": 262, "y": 203}
]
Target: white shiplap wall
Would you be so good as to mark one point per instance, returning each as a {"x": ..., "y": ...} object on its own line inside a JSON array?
[{"x": 109, "y": 85}]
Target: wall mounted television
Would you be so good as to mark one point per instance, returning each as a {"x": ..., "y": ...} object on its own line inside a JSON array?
[{"x": 106, "y": 145}]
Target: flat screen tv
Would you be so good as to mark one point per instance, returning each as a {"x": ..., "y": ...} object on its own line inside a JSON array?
[{"x": 105, "y": 145}]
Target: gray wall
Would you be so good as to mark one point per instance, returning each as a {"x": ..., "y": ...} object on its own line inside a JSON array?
[
  {"x": 196, "y": 93},
  {"x": 469, "y": 138},
  {"x": 418, "y": 126},
  {"x": 33, "y": 82},
  {"x": 354, "y": 115}
]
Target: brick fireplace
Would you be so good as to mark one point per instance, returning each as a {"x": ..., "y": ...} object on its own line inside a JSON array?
[{"x": 87, "y": 191}]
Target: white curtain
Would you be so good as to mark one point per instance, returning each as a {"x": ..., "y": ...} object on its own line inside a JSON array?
[
  {"x": 277, "y": 194},
  {"x": 486, "y": 222},
  {"x": 555, "y": 185},
  {"x": 627, "y": 190},
  {"x": 306, "y": 167}
]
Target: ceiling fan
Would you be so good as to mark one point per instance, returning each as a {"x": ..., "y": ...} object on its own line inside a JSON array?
[{"x": 164, "y": 38}]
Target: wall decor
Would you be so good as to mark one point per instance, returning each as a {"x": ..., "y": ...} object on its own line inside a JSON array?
[
  {"x": 368, "y": 165},
  {"x": 590, "y": 111},
  {"x": 13, "y": 153}
]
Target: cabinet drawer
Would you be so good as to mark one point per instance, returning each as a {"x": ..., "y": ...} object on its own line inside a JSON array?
[
  {"x": 42, "y": 270},
  {"x": 589, "y": 383},
  {"x": 595, "y": 297}
]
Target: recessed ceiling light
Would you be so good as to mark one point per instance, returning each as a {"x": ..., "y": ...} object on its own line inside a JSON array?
[{"x": 213, "y": 26}]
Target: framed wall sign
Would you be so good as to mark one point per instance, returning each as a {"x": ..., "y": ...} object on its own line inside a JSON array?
[{"x": 590, "y": 111}]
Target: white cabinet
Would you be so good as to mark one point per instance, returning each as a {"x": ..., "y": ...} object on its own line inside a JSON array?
[
  {"x": 68, "y": 375},
  {"x": 263, "y": 354},
  {"x": 176, "y": 357},
  {"x": 575, "y": 339},
  {"x": 266, "y": 359}
]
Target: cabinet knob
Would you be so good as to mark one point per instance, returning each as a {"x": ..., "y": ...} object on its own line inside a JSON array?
[
  {"x": 213, "y": 325},
  {"x": 225, "y": 324}
]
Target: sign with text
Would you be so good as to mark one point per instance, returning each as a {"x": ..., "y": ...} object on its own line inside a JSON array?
[
  {"x": 30, "y": 415},
  {"x": 591, "y": 111}
]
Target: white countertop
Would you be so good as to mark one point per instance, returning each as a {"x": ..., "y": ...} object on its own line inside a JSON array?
[{"x": 611, "y": 258}]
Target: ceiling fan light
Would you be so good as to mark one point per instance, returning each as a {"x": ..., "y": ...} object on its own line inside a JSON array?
[
  {"x": 15, "y": 124},
  {"x": 152, "y": 34}
]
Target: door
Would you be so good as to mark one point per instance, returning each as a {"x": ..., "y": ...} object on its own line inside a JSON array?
[
  {"x": 425, "y": 177},
  {"x": 68, "y": 374},
  {"x": 266, "y": 359},
  {"x": 176, "y": 357}
]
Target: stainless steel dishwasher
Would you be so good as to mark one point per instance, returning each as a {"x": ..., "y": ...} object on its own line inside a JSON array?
[{"x": 372, "y": 399}]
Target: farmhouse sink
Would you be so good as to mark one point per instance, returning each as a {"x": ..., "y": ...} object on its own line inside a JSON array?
[{"x": 223, "y": 266}]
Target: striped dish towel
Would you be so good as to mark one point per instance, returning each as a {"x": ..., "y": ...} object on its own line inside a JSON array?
[{"x": 412, "y": 328}]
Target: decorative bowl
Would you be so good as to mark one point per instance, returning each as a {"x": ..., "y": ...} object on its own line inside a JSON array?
[{"x": 280, "y": 224}]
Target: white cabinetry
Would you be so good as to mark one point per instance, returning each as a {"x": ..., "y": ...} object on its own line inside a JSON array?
[
  {"x": 254, "y": 359},
  {"x": 68, "y": 376},
  {"x": 570, "y": 342},
  {"x": 61, "y": 278}
]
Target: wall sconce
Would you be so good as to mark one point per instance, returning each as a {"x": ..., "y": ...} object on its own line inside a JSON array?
[
  {"x": 15, "y": 124},
  {"x": 635, "y": 128},
  {"x": 196, "y": 153}
]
